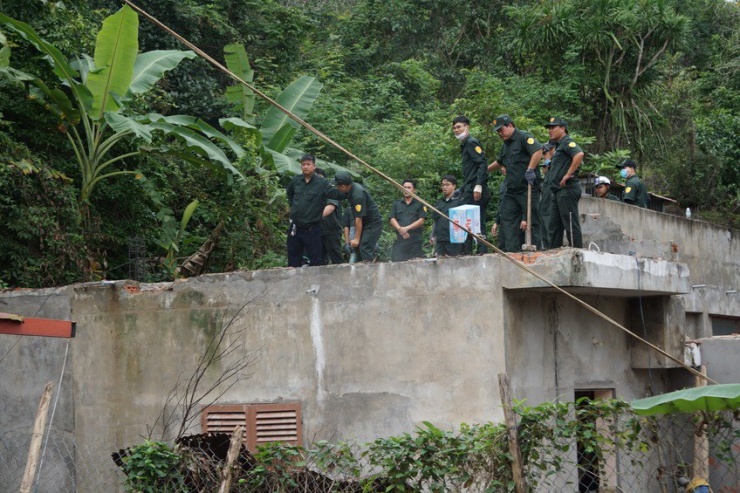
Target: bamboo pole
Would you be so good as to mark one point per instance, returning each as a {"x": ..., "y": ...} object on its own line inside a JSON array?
[
  {"x": 39, "y": 425},
  {"x": 520, "y": 481},
  {"x": 228, "y": 471}
]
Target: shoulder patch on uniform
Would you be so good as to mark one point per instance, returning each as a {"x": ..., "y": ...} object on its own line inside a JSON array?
[
  {"x": 478, "y": 149},
  {"x": 530, "y": 141},
  {"x": 572, "y": 144},
  {"x": 628, "y": 190},
  {"x": 358, "y": 208}
]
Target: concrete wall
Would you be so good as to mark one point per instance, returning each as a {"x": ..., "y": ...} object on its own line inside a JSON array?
[
  {"x": 720, "y": 355},
  {"x": 27, "y": 364},
  {"x": 373, "y": 350},
  {"x": 711, "y": 253},
  {"x": 370, "y": 350}
]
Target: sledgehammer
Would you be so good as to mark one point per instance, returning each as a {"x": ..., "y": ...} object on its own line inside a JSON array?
[{"x": 528, "y": 246}]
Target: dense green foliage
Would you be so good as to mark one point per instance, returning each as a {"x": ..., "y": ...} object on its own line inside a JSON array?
[
  {"x": 152, "y": 467},
  {"x": 658, "y": 80}
]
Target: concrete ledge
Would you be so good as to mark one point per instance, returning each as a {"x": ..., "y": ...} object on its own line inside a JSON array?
[{"x": 601, "y": 274}]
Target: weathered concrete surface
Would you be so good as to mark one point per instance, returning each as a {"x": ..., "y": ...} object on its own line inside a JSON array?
[
  {"x": 370, "y": 350},
  {"x": 711, "y": 253},
  {"x": 373, "y": 350},
  {"x": 27, "y": 364},
  {"x": 591, "y": 272},
  {"x": 720, "y": 355}
]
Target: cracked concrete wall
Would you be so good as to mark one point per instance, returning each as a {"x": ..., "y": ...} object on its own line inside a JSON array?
[
  {"x": 712, "y": 253},
  {"x": 719, "y": 354},
  {"x": 27, "y": 364},
  {"x": 369, "y": 350},
  {"x": 570, "y": 349}
]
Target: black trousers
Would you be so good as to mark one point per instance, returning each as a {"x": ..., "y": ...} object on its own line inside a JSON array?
[
  {"x": 306, "y": 240},
  {"x": 407, "y": 249},
  {"x": 369, "y": 241},
  {"x": 565, "y": 218},
  {"x": 332, "y": 248},
  {"x": 513, "y": 210}
]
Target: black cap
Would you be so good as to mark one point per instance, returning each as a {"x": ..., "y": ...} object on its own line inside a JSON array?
[
  {"x": 501, "y": 121},
  {"x": 627, "y": 163},
  {"x": 556, "y": 121},
  {"x": 343, "y": 178}
]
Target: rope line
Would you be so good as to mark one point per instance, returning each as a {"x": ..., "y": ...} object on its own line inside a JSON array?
[{"x": 399, "y": 186}]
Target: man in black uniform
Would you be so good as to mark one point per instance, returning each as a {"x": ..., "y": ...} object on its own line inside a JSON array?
[
  {"x": 635, "y": 192},
  {"x": 474, "y": 189},
  {"x": 520, "y": 154},
  {"x": 307, "y": 196},
  {"x": 566, "y": 190},
  {"x": 441, "y": 229},
  {"x": 407, "y": 218},
  {"x": 367, "y": 220},
  {"x": 331, "y": 229}
]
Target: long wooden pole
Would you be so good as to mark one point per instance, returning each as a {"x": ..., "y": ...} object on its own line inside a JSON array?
[
  {"x": 34, "y": 450},
  {"x": 520, "y": 481}
]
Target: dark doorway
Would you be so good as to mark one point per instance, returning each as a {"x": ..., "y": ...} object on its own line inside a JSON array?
[{"x": 588, "y": 460}]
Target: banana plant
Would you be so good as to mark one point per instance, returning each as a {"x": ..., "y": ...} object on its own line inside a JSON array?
[
  {"x": 172, "y": 234},
  {"x": 94, "y": 100},
  {"x": 277, "y": 129}
]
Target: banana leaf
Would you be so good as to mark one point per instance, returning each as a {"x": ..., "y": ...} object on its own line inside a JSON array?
[
  {"x": 115, "y": 55},
  {"x": 710, "y": 398},
  {"x": 297, "y": 98},
  {"x": 58, "y": 62},
  {"x": 201, "y": 126},
  {"x": 151, "y": 66},
  {"x": 283, "y": 164},
  {"x": 241, "y": 97}
]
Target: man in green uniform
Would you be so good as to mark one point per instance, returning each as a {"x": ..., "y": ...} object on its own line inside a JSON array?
[
  {"x": 307, "y": 195},
  {"x": 441, "y": 229},
  {"x": 474, "y": 189},
  {"x": 602, "y": 184},
  {"x": 520, "y": 154},
  {"x": 548, "y": 150},
  {"x": 368, "y": 222},
  {"x": 331, "y": 229},
  {"x": 635, "y": 192},
  {"x": 407, "y": 218},
  {"x": 566, "y": 190}
]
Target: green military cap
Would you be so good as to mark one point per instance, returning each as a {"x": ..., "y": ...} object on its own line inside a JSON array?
[
  {"x": 501, "y": 121},
  {"x": 627, "y": 163},
  {"x": 555, "y": 121},
  {"x": 343, "y": 178}
]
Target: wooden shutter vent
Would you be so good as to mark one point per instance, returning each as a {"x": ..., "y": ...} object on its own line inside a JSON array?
[{"x": 264, "y": 422}]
